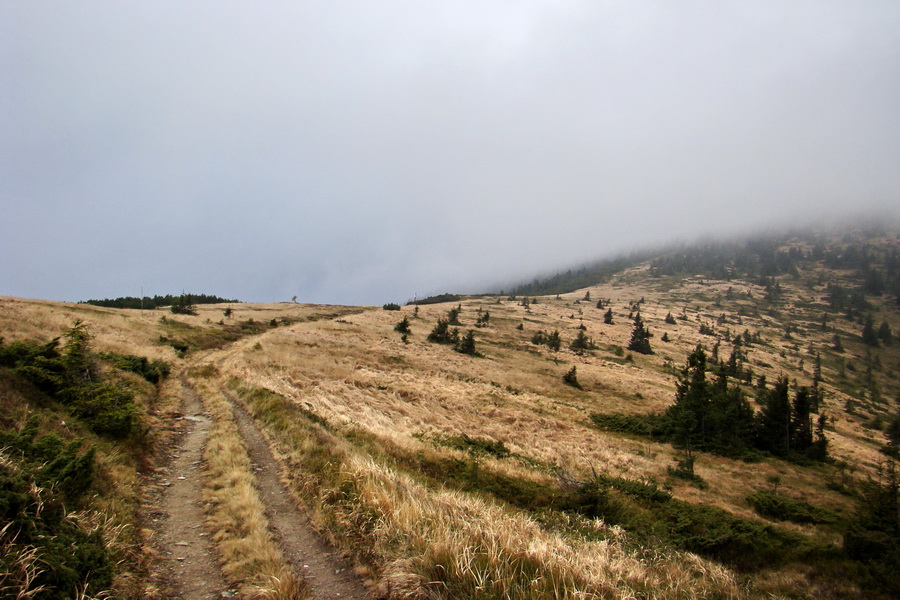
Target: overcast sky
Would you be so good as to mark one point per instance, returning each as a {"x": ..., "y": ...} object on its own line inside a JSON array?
[{"x": 364, "y": 152}]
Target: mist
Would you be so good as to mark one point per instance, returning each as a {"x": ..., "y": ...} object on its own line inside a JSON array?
[{"x": 361, "y": 153}]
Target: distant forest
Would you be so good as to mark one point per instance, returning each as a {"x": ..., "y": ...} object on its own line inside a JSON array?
[
  {"x": 759, "y": 259},
  {"x": 575, "y": 279},
  {"x": 876, "y": 267},
  {"x": 150, "y": 303}
]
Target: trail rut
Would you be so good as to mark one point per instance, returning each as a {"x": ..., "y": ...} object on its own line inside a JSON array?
[
  {"x": 189, "y": 569},
  {"x": 328, "y": 574}
]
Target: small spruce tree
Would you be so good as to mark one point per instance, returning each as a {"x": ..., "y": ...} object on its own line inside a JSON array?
[
  {"x": 837, "y": 345},
  {"x": 581, "y": 343},
  {"x": 885, "y": 334},
  {"x": 466, "y": 344},
  {"x": 571, "y": 378},
  {"x": 869, "y": 336},
  {"x": 553, "y": 341},
  {"x": 441, "y": 333},
  {"x": 403, "y": 326},
  {"x": 640, "y": 338}
]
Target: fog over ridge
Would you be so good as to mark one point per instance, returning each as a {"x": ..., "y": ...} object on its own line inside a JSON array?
[{"x": 364, "y": 153}]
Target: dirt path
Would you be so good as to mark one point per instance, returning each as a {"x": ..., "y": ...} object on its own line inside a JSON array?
[
  {"x": 188, "y": 565},
  {"x": 329, "y": 575}
]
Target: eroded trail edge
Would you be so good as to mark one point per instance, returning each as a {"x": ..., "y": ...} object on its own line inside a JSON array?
[
  {"x": 189, "y": 569},
  {"x": 330, "y": 576}
]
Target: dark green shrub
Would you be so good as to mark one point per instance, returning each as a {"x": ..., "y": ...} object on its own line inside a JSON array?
[
  {"x": 644, "y": 425},
  {"x": 69, "y": 556},
  {"x": 477, "y": 445},
  {"x": 52, "y": 462},
  {"x": 442, "y": 334},
  {"x": 403, "y": 326},
  {"x": 718, "y": 534},
  {"x": 107, "y": 409},
  {"x": 776, "y": 506},
  {"x": 391, "y": 306},
  {"x": 153, "y": 371}
]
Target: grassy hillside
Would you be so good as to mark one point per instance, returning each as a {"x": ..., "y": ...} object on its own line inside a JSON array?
[{"x": 483, "y": 472}]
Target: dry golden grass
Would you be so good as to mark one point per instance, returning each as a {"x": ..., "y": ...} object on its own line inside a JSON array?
[
  {"x": 347, "y": 366},
  {"x": 431, "y": 543},
  {"x": 356, "y": 374},
  {"x": 360, "y": 375}
]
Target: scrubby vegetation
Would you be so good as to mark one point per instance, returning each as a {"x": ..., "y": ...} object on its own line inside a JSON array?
[
  {"x": 54, "y": 540},
  {"x": 71, "y": 377}
]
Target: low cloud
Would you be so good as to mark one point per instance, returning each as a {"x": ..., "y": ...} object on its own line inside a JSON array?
[{"x": 364, "y": 153}]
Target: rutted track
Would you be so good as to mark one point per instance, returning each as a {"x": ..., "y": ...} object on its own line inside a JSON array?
[
  {"x": 188, "y": 562},
  {"x": 328, "y": 574}
]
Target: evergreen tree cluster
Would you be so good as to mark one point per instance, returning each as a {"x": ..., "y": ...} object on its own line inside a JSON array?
[
  {"x": 442, "y": 334},
  {"x": 876, "y": 337},
  {"x": 438, "y": 299},
  {"x": 183, "y": 305},
  {"x": 715, "y": 416},
  {"x": 151, "y": 302},
  {"x": 551, "y": 340},
  {"x": 873, "y": 537}
]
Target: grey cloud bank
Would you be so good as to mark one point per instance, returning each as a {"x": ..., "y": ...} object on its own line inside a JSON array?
[{"x": 365, "y": 152}]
